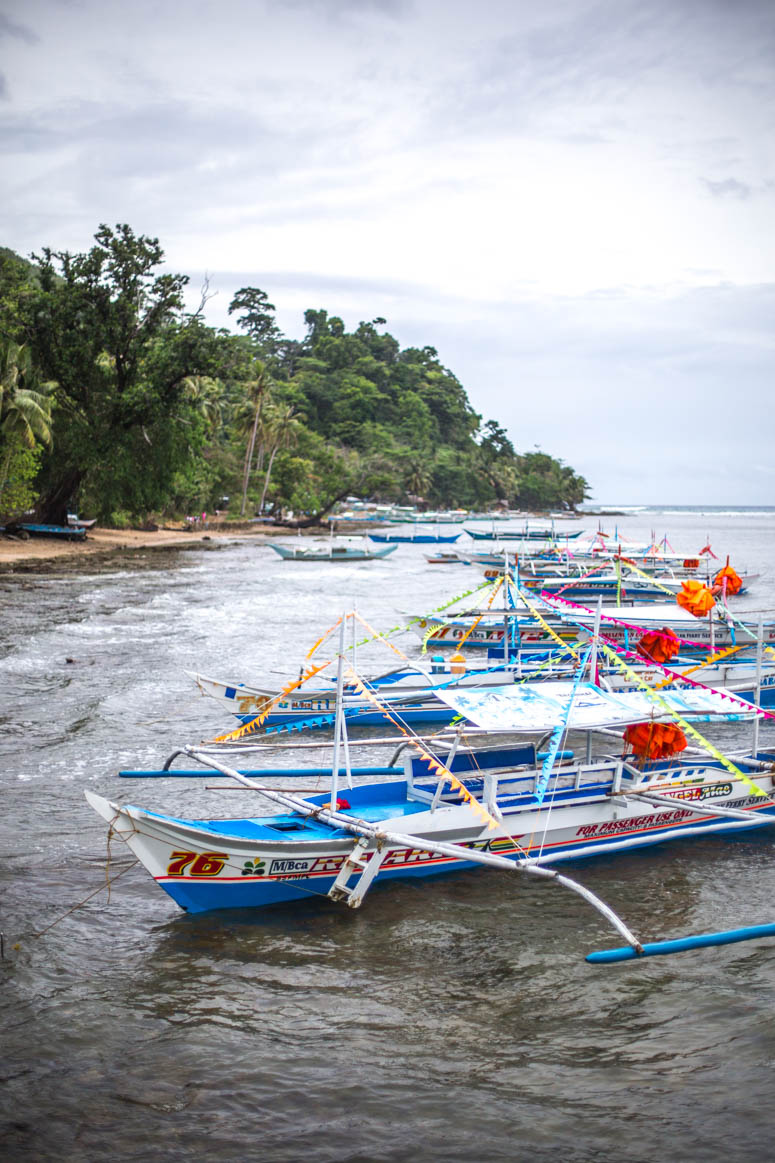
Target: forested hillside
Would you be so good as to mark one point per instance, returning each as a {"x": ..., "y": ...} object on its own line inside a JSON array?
[{"x": 118, "y": 401}]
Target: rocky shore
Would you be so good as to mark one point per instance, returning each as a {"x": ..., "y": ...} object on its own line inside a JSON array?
[{"x": 38, "y": 554}]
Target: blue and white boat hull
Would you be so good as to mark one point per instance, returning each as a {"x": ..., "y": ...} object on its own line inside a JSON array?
[{"x": 249, "y": 863}]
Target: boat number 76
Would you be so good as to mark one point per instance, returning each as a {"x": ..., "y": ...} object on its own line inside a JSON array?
[{"x": 204, "y": 864}]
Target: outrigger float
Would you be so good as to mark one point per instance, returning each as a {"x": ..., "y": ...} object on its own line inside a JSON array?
[{"x": 520, "y": 808}]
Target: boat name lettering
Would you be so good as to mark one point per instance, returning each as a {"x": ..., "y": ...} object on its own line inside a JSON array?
[
  {"x": 706, "y": 792},
  {"x": 327, "y": 864},
  {"x": 286, "y": 865},
  {"x": 630, "y": 823},
  {"x": 406, "y": 856}
]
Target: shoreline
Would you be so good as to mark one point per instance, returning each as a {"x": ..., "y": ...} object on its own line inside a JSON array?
[{"x": 44, "y": 554}]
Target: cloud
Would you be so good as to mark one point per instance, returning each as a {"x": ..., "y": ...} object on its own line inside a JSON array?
[
  {"x": 728, "y": 188},
  {"x": 564, "y": 200},
  {"x": 10, "y": 28}
]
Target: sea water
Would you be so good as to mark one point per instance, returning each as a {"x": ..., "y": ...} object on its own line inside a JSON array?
[{"x": 452, "y": 1019}]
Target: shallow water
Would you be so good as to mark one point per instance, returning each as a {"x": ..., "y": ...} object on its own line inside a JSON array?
[{"x": 451, "y": 1019}]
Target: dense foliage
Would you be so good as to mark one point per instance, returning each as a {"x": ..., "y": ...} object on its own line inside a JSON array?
[{"x": 116, "y": 400}]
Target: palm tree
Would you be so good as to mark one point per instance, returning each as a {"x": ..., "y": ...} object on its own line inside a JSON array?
[
  {"x": 257, "y": 390},
  {"x": 25, "y": 406},
  {"x": 206, "y": 397},
  {"x": 418, "y": 478},
  {"x": 281, "y": 430}
]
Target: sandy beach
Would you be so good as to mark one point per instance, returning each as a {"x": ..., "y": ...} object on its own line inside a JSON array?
[{"x": 43, "y": 553}]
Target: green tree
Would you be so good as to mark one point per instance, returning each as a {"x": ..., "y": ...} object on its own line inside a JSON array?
[
  {"x": 109, "y": 330},
  {"x": 25, "y": 417},
  {"x": 281, "y": 430},
  {"x": 257, "y": 391},
  {"x": 206, "y": 396},
  {"x": 257, "y": 318}
]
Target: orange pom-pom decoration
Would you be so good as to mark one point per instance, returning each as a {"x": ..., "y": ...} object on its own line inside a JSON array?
[
  {"x": 727, "y": 579},
  {"x": 655, "y": 740},
  {"x": 695, "y": 597},
  {"x": 659, "y": 645}
]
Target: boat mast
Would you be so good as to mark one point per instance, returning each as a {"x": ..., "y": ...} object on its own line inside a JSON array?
[
  {"x": 593, "y": 664},
  {"x": 757, "y": 698},
  {"x": 339, "y": 717},
  {"x": 505, "y": 606}
]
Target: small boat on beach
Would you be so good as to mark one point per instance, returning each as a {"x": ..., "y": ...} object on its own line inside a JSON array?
[{"x": 62, "y": 532}]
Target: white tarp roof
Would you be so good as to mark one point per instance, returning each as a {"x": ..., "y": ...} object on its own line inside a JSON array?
[
  {"x": 663, "y": 612},
  {"x": 541, "y": 706}
]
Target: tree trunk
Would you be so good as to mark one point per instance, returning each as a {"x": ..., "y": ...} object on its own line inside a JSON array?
[
  {"x": 316, "y": 518},
  {"x": 249, "y": 460},
  {"x": 52, "y": 508},
  {"x": 268, "y": 475},
  {"x": 5, "y": 469}
]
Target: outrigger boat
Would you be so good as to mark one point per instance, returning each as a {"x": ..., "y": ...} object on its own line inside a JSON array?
[
  {"x": 572, "y": 621},
  {"x": 517, "y": 808},
  {"x": 507, "y": 807},
  {"x": 609, "y": 575},
  {"x": 547, "y": 534},
  {"x": 331, "y": 551},
  {"x": 445, "y": 559},
  {"x": 410, "y": 692},
  {"x": 423, "y": 537}
]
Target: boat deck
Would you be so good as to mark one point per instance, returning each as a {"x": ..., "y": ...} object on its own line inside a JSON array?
[{"x": 273, "y": 828}]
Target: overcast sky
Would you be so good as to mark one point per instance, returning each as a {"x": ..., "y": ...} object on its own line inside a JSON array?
[{"x": 572, "y": 201}]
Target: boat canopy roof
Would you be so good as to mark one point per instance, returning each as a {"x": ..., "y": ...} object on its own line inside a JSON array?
[
  {"x": 638, "y": 615},
  {"x": 541, "y": 706}
]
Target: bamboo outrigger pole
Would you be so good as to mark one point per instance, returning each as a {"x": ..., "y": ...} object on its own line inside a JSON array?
[{"x": 401, "y": 840}]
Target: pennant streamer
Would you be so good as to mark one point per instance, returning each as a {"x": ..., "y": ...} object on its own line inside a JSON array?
[
  {"x": 725, "y": 653},
  {"x": 322, "y": 638},
  {"x": 434, "y": 764},
  {"x": 376, "y": 636},
  {"x": 725, "y": 694},
  {"x": 547, "y": 628},
  {"x": 582, "y": 577},
  {"x": 685, "y": 727},
  {"x": 746, "y": 630},
  {"x": 254, "y": 724},
  {"x": 650, "y": 578},
  {"x": 559, "y": 731},
  {"x": 401, "y": 628},
  {"x": 617, "y": 621},
  {"x": 434, "y": 629}
]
